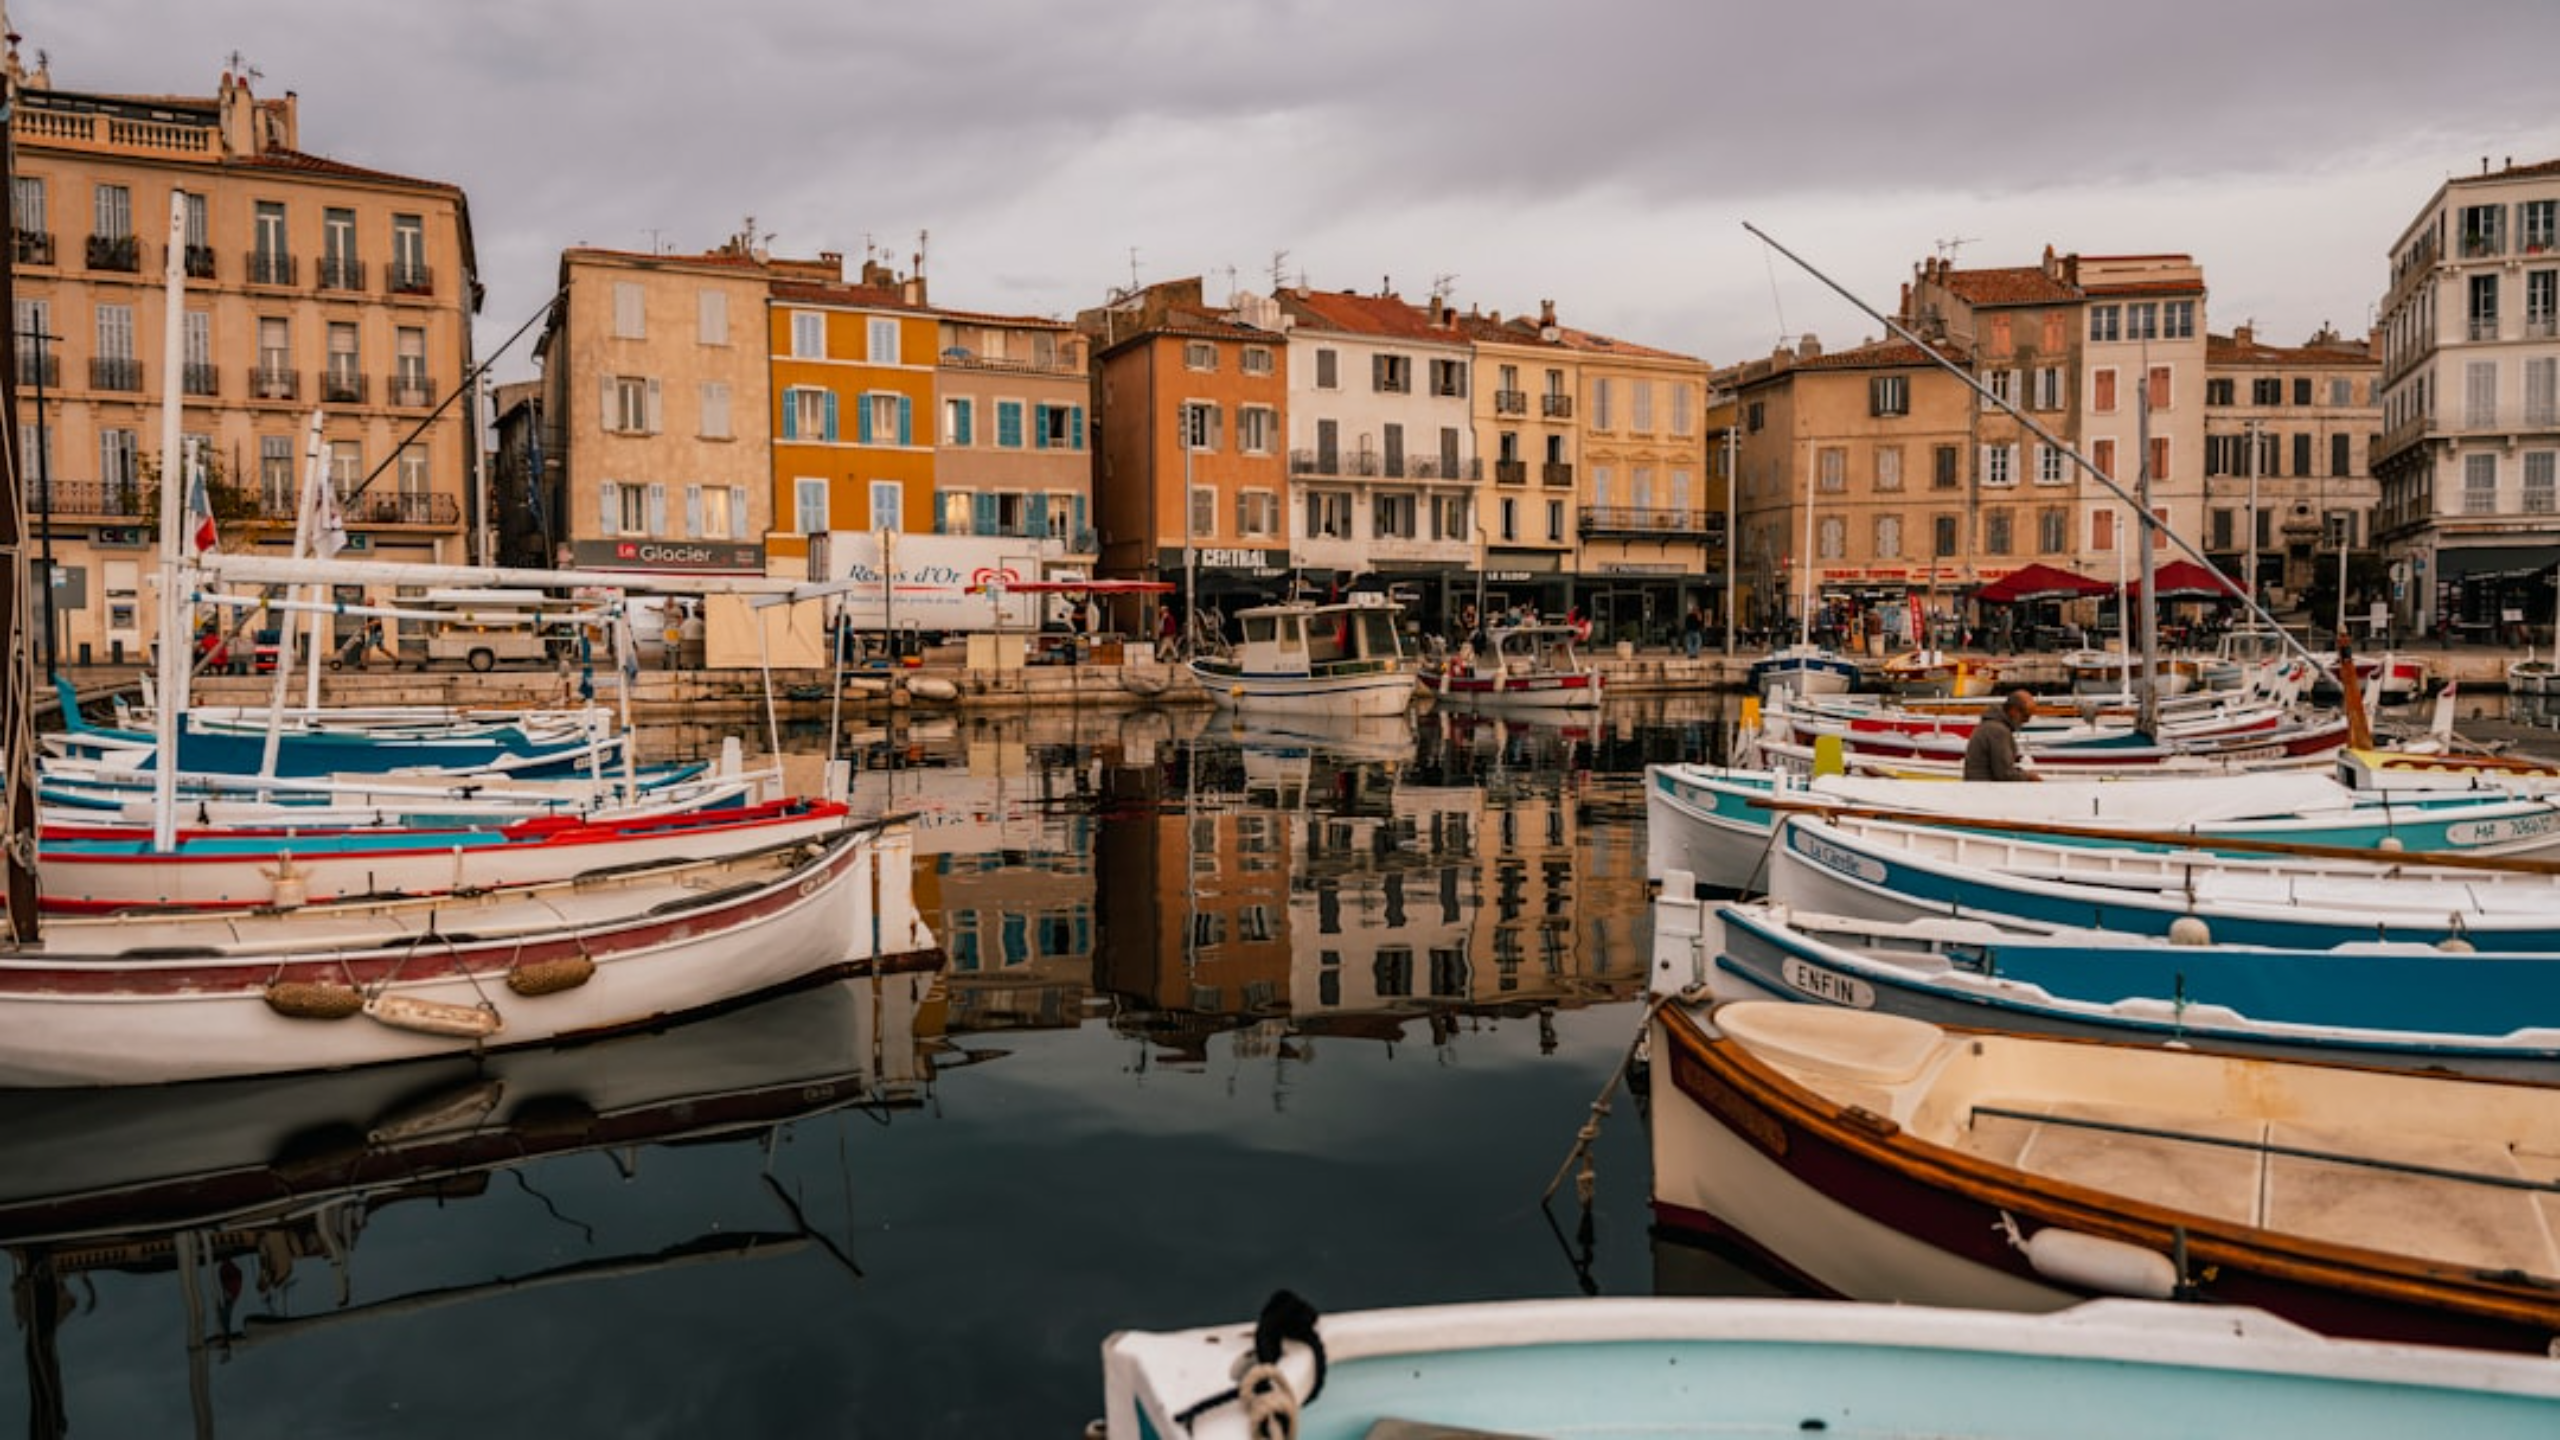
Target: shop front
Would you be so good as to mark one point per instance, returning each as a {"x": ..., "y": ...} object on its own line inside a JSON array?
[
  {"x": 1230, "y": 578},
  {"x": 2490, "y": 594},
  {"x": 1534, "y": 579}
]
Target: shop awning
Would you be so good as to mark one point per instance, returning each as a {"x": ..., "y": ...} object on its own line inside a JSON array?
[
  {"x": 2040, "y": 582},
  {"x": 2494, "y": 562},
  {"x": 2187, "y": 580}
]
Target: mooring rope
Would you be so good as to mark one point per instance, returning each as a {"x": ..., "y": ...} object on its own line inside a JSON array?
[{"x": 1271, "y": 1406}]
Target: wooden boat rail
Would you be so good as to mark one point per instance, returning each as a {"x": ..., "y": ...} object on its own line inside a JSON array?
[{"x": 2266, "y": 1147}]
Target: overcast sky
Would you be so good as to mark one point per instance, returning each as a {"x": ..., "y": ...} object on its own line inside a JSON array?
[{"x": 1603, "y": 154}]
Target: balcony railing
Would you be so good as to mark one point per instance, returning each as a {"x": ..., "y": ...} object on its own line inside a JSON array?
[
  {"x": 2484, "y": 327},
  {"x": 413, "y": 392},
  {"x": 341, "y": 272},
  {"x": 274, "y": 383},
  {"x": 201, "y": 379},
  {"x": 410, "y": 279},
  {"x": 115, "y": 252},
  {"x": 35, "y": 247},
  {"x": 342, "y": 387},
  {"x": 1510, "y": 472},
  {"x": 1443, "y": 467},
  {"x": 1510, "y": 402},
  {"x": 118, "y": 498},
  {"x": 199, "y": 262},
  {"x": 115, "y": 373},
  {"x": 1556, "y": 407},
  {"x": 2543, "y": 328},
  {"x": 399, "y": 509},
  {"x": 1331, "y": 462},
  {"x": 43, "y": 372},
  {"x": 1559, "y": 476},
  {"x": 271, "y": 267},
  {"x": 1600, "y": 520}
]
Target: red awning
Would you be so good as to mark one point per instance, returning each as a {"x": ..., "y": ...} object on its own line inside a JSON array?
[
  {"x": 2040, "y": 582},
  {"x": 2187, "y": 580}
]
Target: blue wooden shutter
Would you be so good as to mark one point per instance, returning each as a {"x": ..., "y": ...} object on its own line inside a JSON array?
[
  {"x": 961, "y": 415},
  {"x": 831, "y": 416},
  {"x": 1039, "y": 427},
  {"x": 862, "y": 419},
  {"x": 791, "y": 414},
  {"x": 941, "y": 498},
  {"x": 1078, "y": 513},
  {"x": 1039, "y": 515},
  {"x": 1075, "y": 427},
  {"x": 906, "y": 421},
  {"x": 987, "y": 513}
]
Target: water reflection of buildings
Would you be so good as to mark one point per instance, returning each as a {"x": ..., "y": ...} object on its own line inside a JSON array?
[{"x": 1353, "y": 894}]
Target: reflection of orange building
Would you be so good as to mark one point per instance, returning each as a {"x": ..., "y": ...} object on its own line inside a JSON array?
[{"x": 1194, "y": 909}]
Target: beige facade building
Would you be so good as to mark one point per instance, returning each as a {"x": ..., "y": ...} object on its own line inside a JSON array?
[
  {"x": 309, "y": 285},
  {"x": 2141, "y": 410},
  {"x": 654, "y": 413},
  {"x": 1643, "y": 518},
  {"x": 2470, "y": 501},
  {"x": 2288, "y": 432},
  {"x": 1524, "y": 413}
]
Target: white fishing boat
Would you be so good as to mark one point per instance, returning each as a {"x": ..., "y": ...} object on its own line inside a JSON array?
[
  {"x": 1528, "y": 667},
  {"x": 1341, "y": 658},
  {"x": 1884, "y": 1158},
  {"x": 153, "y": 999},
  {"x": 1615, "y": 1368},
  {"x": 1936, "y": 673}
]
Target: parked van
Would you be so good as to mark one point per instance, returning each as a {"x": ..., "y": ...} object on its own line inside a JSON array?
[{"x": 490, "y": 626}]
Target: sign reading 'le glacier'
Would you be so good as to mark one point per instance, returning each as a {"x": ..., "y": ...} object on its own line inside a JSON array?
[{"x": 680, "y": 556}]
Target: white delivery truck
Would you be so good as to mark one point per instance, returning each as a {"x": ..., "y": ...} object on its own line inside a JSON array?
[
  {"x": 481, "y": 628},
  {"x": 935, "y": 586}
]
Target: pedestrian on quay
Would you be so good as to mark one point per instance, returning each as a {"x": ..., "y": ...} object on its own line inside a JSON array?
[
  {"x": 1693, "y": 631},
  {"x": 1993, "y": 753}
]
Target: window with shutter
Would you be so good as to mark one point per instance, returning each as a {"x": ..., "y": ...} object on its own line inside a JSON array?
[
  {"x": 608, "y": 508},
  {"x": 657, "y": 509},
  {"x": 693, "y": 512}
]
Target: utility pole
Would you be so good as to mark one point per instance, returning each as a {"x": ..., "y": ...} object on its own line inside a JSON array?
[
  {"x": 1732, "y": 478},
  {"x": 44, "y": 507},
  {"x": 2249, "y": 467}
]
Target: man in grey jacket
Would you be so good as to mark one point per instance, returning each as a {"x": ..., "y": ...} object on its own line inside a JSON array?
[{"x": 1992, "y": 753}]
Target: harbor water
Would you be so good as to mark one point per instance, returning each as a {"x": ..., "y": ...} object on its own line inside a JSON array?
[{"x": 1226, "y": 1009}]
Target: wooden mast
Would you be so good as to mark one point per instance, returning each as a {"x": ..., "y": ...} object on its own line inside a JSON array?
[{"x": 17, "y": 686}]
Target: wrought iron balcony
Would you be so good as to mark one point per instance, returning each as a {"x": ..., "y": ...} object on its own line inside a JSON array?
[
  {"x": 1629, "y": 520},
  {"x": 1510, "y": 402},
  {"x": 2484, "y": 327},
  {"x": 35, "y": 247},
  {"x": 115, "y": 373},
  {"x": 1510, "y": 472},
  {"x": 44, "y": 372},
  {"x": 1331, "y": 462},
  {"x": 340, "y": 386},
  {"x": 1556, "y": 406},
  {"x": 1442, "y": 467},
  {"x": 115, "y": 252},
  {"x": 199, "y": 262},
  {"x": 275, "y": 383},
  {"x": 202, "y": 379},
  {"x": 1556, "y": 475},
  {"x": 115, "y": 498},
  {"x": 412, "y": 392},
  {"x": 271, "y": 267},
  {"x": 399, "y": 509},
  {"x": 341, "y": 272},
  {"x": 410, "y": 279}
]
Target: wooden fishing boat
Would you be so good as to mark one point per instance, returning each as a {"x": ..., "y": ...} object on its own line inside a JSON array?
[
  {"x": 152, "y": 999},
  {"x": 1804, "y": 669},
  {"x": 1664, "y": 1366},
  {"x": 99, "y": 869},
  {"x": 1937, "y": 673},
  {"x": 1531, "y": 667},
  {"x": 1343, "y": 658},
  {"x": 2388, "y": 1005},
  {"x": 1884, "y": 1158},
  {"x": 2284, "y": 894}
]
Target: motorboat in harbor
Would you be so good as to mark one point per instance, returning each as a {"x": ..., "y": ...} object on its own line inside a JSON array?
[
  {"x": 1343, "y": 657},
  {"x": 1938, "y": 673},
  {"x": 1526, "y": 667},
  {"x": 1804, "y": 669}
]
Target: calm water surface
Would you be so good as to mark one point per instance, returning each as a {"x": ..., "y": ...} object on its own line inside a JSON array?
[{"x": 1225, "y": 1010}]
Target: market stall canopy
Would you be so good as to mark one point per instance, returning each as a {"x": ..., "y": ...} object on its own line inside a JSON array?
[
  {"x": 2187, "y": 580},
  {"x": 2040, "y": 582}
]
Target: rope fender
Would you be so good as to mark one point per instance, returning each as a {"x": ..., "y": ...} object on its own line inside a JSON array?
[{"x": 1271, "y": 1408}]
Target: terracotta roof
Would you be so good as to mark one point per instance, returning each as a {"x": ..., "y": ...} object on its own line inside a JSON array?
[
  {"x": 1525, "y": 330},
  {"x": 2014, "y": 285},
  {"x": 2229, "y": 350},
  {"x": 2534, "y": 171},
  {"x": 1874, "y": 355},
  {"x": 855, "y": 297},
  {"x": 296, "y": 160},
  {"x": 1348, "y": 314},
  {"x": 974, "y": 317}
]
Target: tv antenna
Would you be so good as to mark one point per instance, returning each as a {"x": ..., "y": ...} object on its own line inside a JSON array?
[
  {"x": 1947, "y": 248},
  {"x": 1279, "y": 270}
]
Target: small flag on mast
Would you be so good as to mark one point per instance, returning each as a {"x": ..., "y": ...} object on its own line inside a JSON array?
[
  {"x": 199, "y": 505},
  {"x": 329, "y": 525}
]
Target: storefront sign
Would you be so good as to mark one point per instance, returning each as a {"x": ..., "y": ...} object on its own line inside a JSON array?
[
  {"x": 1505, "y": 577},
  {"x": 1260, "y": 563},
  {"x": 675, "y": 556}
]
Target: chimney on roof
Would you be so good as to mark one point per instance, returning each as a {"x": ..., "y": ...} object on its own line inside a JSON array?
[
  {"x": 1546, "y": 314},
  {"x": 2244, "y": 335},
  {"x": 1808, "y": 347},
  {"x": 2071, "y": 269}
]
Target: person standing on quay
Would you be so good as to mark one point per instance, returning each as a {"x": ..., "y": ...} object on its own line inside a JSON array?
[{"x": 1992, "y": 753}]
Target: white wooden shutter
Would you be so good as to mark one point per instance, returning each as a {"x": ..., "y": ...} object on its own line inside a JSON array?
[{"x": 609, "y": 513}]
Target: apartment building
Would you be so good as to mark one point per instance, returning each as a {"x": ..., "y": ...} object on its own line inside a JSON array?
[
  {"x": 1642, "y": 524},
  {"x": 1861, "y": 484},
  {"x": 650, "y": 428},
  {"x": 2469, "y": 513},
  {"x": 311, "y": 285},
  {"x": 1013, "y": 453},
  {"x": 1382, "y": 461},
  {"x": 1194, "y": 477},
  {"x": 2141, "y": 411},
  {"x": 854, "y": 387},
  {"x": 2288, "y": 433},
  {"x": 1524, "y": 420}
]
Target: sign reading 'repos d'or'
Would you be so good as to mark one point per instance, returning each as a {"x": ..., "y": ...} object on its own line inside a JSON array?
[{"x": 687, "y": 557}]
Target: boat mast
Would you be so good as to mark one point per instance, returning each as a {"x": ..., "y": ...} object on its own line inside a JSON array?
[
  {"x": 1804, "y": 570},
  {"x": 17, "y": 694},
  {"x": 176, "y": 640},
  {"x": 2147, "y": 619}
]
